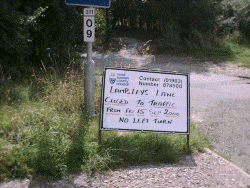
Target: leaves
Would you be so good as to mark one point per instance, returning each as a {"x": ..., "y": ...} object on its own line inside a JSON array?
[{"x": 32, "y": 31}]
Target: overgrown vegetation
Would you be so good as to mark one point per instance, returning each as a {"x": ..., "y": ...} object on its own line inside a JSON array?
[{"x": 44, "y": 131}]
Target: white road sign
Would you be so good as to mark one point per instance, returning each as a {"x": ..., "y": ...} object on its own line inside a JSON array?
[
  {"x": 89, "y": 25},
  {"x": 139, "y": 100}
]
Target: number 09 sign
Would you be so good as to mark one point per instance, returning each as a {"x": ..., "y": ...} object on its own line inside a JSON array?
[{"x": 89, "y": 25}]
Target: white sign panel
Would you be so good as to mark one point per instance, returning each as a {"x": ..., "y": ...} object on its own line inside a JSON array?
[
  {"x": 138, "y": 100},
  {"x": 89, "y": 25}
]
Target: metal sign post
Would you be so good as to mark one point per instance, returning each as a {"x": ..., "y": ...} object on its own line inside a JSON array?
[
  {"x": 89, "y": 66},
  {"x": 89, "y": 37}
]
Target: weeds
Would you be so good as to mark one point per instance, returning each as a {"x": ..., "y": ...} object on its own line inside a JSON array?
[{"x": 97, "y": 160}]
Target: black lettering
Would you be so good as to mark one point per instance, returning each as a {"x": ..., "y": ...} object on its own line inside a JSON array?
[
  {"x": 162, "y": 121},
  {"x": 161, "y": 104},
  {"x": 123, "y": 120},
  {"x": 128, "y": 110},
  {"x": 116, "y": 90},
  {"x": 89, "y": 22},
  {"x": 152, "y": 112},
  {"x": 115, "y": 101},
  {"x": 140, "y": 111},
  {"x": 140, "y": 120},
  {"x": 140, "y": 102},
  {"x": 113, "y": 110},
  {"x": 168, "y": 113}
]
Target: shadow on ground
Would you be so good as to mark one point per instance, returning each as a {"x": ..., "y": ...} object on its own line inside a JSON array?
[{"x": 133, "y": 53}]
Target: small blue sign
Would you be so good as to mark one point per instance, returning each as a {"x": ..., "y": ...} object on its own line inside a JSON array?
[{"x": 92, "y": 3}]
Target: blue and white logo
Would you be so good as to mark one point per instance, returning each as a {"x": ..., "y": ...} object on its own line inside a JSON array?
[
  {"x": 112, "y": 80},
  {"x": 119, "y": 79}
]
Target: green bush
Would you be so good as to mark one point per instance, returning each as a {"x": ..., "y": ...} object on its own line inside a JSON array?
[
  {"x": 244, "y": 24},
  {"x": 234, "y": 16},
  {"x": 15, "y": 47}
]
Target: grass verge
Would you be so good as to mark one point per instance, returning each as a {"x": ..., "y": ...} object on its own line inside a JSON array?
[{"x": 44, "y": 131}]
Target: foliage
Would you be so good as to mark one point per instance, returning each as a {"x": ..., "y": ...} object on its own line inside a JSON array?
[
  {"x": 35, "y": 31},
  {"x": 244, "y": 23},
  {"x": 14, "y": 43},
  {"x": 57, "y": 33},
  {"x": 179, "y": 21},
  {"x": 234, "y": 15},
  {"x": 193, "y": 24}
]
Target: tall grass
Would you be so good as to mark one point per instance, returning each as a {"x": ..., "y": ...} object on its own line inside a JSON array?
[
  {"x": 44, "y": 131},
  {"x": 42, "y": 125}
]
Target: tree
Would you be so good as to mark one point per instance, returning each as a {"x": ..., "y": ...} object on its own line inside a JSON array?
[
  {"x": 244, "y": 22},
  {"x": 14, "y": 37},
  {"x": 35, "y": 31}
]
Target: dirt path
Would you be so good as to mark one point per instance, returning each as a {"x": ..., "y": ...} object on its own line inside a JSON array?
[{"x": 220, "y": 95}]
